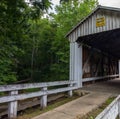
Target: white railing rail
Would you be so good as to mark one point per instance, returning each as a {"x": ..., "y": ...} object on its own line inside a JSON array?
[
  {"x": 13, "y": 97},
  {"x": 112, "y": 111},
  {"x": 99, "y": 78}
]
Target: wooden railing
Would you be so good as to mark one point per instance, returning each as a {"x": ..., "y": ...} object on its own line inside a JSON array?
[
  {"x": 99, "y": 78},
  {"x": 13, "y": 97},
  {"x": 112, "y": 111}
]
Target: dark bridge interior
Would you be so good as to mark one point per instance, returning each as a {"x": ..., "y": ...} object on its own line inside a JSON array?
[{"x": 107, "y": 42}]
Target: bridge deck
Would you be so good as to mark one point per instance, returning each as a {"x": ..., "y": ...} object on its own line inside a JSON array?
[{"x": 110, "y": 86}]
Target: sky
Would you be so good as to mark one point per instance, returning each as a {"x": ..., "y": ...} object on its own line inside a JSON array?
[{"x": 110, "y": 3}]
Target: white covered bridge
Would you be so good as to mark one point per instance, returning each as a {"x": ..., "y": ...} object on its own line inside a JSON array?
[
  {"x": 95, "y": 46},
  {"x": 94, "y": 54}
]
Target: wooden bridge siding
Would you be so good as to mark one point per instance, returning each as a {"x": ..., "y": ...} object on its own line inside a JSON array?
[
  {"x": 110, "y": 64},
  {"x": 88, "y": 26}
]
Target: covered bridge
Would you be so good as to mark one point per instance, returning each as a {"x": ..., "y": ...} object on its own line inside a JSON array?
[{"x": 95, "y": 46}]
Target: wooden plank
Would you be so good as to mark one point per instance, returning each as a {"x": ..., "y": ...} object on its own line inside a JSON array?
[
  {"x": 31, "y": 103},
  {"x": 4, "y": 88},
  {"x": 97, "y": 78},
  {"x": 111, "y": 112},
  {"x": 20, "y": 97},
  {"x": 34, "y": 94},
  {"x": 61, "y": 90}
]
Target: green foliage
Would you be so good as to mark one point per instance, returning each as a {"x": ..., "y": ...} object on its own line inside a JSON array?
[
  {"x": 68, "y": 15},
  {"x": 43, "y": 56},
  {"x": 35, "y": 47},
  {"x": 39, "y": 8},
  {"x": 13, "y": 28}
]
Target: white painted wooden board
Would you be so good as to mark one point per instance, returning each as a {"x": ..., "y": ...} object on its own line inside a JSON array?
[
  {"x": 14, "y": 97},
  {"x": 98, "y": 78},
  {"x": 112, "y": 111},
  {"x": 4, "y": 88},
  {"x": 34, "y": 94}
]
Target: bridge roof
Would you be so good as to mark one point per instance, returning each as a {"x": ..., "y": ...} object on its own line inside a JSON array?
[{"x": 99, "y": 11}]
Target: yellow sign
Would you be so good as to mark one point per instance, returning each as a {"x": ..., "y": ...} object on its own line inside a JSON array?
[{"x": 100, "y": 22}]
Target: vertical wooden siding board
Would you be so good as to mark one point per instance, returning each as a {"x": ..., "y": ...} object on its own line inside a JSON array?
[
  {"x": 94, "y": 23},
  {"x": 81, "y": 30},
  {"x": 72, "y": 63},
  {"x": 99, "y": 16},
  {"x": 104, "y": 27},
  {"x": 102, "y": 15},
  {"x": 70, "y": 66},
  {"x": 114, "y": 21},
  {"x": 117, "y": 21},
  {"x": 73, "y": 36},
  {"x": 110, "y": 23},
  {"x": 78, "y": 31},
  {"x": 88, "y": 26},
  {"x": 75, "y": 62},
  {"x": 97, "y": 28},
  {"x": 107, "y": 22}
]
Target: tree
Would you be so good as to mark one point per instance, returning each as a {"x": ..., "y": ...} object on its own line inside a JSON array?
[
  {"x": 43, "y": 56},
  {"x": 13, "y": 24},
  {"x": 38, "y": 8},
  {"x": 68, "y": 14},
  {"x": 30, "y": 43}
]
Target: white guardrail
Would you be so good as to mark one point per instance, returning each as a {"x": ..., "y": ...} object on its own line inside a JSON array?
[
  {"x": 99, "y": 78},
  {"x": 112, "y": 111},
  {"x": 13, "y": 97}
]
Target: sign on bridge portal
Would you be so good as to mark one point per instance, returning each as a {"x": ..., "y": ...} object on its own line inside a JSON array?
[{"x": 100, "y": 22}]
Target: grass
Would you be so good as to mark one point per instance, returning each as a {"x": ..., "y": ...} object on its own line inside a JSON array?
[
  {"x": 97, "y": 111},
  {"x": 34, "y": 111}
]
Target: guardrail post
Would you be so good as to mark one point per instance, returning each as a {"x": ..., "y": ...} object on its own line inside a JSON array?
[
  {"x": 44, "y": 98},
  {"x": 70, "y": 93},
  {"x": 12, "y": 107}
]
